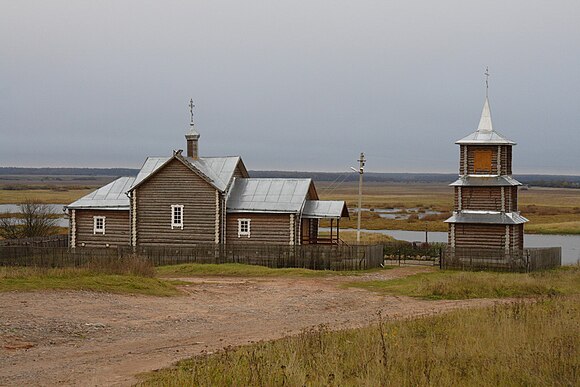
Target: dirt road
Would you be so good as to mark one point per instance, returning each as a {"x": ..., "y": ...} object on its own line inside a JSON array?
[{"x": 86, "y": 338}]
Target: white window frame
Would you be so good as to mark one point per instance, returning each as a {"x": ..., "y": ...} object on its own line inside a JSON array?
[
  {"x": 175, "y": 225},
  {"x": 98, "y": 230},
  {"x": 242, "y": 232}
]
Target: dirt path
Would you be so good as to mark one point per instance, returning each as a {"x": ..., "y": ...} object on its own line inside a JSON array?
[{"x": 85, "y": 338}]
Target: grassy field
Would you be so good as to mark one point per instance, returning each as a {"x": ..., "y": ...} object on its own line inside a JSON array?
[
  {"x": 456, "y": 285},
  {"x": 33, "y": 279},
  {"x": 550, "y": 210},
  {"x": 139, "y": 277},
  {"x": 519, "y": 344},
  {"x": 239, "y": 270},
  {"x": 48, "y": 196},
  {"x": 365, "y": 237}
]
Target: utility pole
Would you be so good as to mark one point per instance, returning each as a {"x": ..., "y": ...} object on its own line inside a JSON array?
[{"x": 361, "y": 163}]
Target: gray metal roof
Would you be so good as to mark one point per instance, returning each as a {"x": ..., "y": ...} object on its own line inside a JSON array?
[
  {"x": 219, "y": 170},
  {"x": 268, "y": 195},
  {"x": 485, "y": 134},
  {"x": 322, "y": 209},
  {"x": 109, "y": 197},
  {"x": 485, "y": 181},
  {"x": 486, "y": 217},
  {"x": 150, "y": 165}
]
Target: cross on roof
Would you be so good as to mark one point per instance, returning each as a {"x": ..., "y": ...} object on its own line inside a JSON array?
[
  {"x": 191, "y": 106},
  {"x": 486, "y": 80}
]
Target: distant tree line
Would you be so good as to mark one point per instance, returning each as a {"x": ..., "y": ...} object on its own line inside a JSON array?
[
  {"x": 561, "y": 181},
  {"x": 69, "y": 171}
]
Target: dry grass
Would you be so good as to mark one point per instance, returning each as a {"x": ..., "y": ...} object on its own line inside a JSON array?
[
  {"x": 40, "y": 279},
  {"x": 239, "y": 270},
  {"x": 48, "y": 196},
  {"x": 456, "y": 285},
  {"x": 132, "y": 275},
  {"x": 365, "y": 237},
  {"x": 519, "y": 344}
]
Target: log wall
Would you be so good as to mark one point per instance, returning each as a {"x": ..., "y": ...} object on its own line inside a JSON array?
[
  {"x": 480, "y": 235},
  {"x": 117, "y": 228},
  {"x": 309, "y": 232},
  {"x": 264, "y": 228},
  {"x": 491, "y": 236},
  {"x": 176, "y": 184},
  {"x": 505, "y": 159}
]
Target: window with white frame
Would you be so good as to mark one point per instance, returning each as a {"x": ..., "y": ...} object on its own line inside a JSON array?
[
  {"x": 243, "y": 228},
  {"x": 98, "y": 225},
  {"x": 177, "y": 216}
]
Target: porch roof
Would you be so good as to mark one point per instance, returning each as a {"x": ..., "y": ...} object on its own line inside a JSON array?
[
  {"x": 268, "y": 195},
  {"x": 325, "y": 209}
]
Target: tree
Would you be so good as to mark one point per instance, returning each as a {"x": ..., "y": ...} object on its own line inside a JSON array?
[
  {"x": 36, "y": 220},
  {"x": 9, "y": 228}
]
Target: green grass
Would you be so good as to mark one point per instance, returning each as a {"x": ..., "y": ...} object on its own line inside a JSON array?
[
  {"x": 553, "y": 228},
  {"x": 519, "y": 344},
  {"x": 456, "y": 285},
  {"x": 31, "y": 279},
  {"x": 239, "y": 270}
]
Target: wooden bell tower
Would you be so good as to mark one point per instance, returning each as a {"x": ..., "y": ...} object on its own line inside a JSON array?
[{"x": 486, "y": 212}]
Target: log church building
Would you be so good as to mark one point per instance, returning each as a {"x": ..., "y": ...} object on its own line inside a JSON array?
[{"x": 188, "y": 200}]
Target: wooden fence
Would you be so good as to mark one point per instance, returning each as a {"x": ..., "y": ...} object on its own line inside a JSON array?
[
  {"x": 526, "y": 260},
  {"x": 412, "y": 253},
  {"x": 324, "y": 257},
  {"x": 48, "y": 241}
]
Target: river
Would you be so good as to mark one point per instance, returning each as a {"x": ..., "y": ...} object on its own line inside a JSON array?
[{"x": 56, "y": 208}]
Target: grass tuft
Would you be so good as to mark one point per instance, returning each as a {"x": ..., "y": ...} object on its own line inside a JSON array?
[
  {"x": 456, "y": 285},
  {"x": 37, "y": 279}
]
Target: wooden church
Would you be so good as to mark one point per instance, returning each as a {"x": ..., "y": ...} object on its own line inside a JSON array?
[
  {"x": 486, "y": 212},
  {"x": 189, "y": 200}
]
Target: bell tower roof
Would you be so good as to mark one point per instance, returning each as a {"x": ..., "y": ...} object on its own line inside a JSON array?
[
  {"x": 485, "y": 124},
  {"x": 485, "y": 135}
]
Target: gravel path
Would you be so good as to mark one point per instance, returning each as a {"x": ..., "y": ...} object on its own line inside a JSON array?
[{"x": 87, "y": 338}]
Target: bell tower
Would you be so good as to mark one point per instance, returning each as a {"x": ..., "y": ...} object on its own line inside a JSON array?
[{"x": 485, "y": 214}]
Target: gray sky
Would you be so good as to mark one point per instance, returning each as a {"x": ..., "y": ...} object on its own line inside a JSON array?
[{"x": 292, "y": 85}]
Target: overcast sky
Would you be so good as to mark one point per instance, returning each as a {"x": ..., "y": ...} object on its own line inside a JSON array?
[{"x": 291, "y": 85}]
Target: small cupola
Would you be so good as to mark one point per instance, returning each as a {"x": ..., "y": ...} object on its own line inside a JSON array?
[{"x": 192, "y": 136}]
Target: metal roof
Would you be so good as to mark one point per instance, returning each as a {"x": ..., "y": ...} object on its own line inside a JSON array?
[
  {"x": 109, "y": 197},
  {"x": 322, "y": 209},
  {"x": 268, "y": 195},
  {"x": 485, "y": 181},
  {"x": 486, "y": 217},
  {"x": 150, "y": 165},
  {"x": 219, "y": 170},
  {"x": 485, "y": 133}
]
